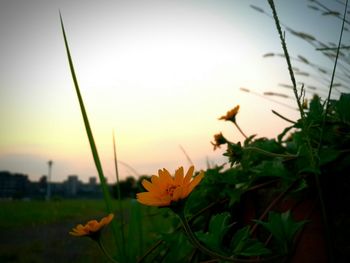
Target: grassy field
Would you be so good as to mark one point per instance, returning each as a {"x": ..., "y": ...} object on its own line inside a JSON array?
[
  {"x": 28, "y": 213},
  {"x": 37, "y": 231}
]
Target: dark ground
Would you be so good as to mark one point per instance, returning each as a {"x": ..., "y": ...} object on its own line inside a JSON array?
[{"x": 47, "y": 243}]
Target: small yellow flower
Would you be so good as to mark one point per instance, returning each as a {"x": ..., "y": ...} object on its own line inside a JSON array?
[
  {"x": 164, "y": 188},
  {"x": 230, "y": 115},
  {"x": 219, "y": 139},
  {"x": 91, "y": 228}
]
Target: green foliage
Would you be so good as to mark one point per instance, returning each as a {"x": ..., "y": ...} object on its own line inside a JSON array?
[
  {"x": 342, "y": 108},
  {"x": 183, "y": 250},
  {"x": 283, "y": 228},
  {"x": 235, "y": 199},
  {"x": 243, "y": 245},
  {"x": 218, "y": 227},
  {"x": 225, "y": 216}
]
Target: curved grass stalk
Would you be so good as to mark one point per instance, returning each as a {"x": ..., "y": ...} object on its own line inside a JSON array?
[
  {"x": 289, "y": 156},
  {"x": 105, "y": 252},
  {"x": 121, "y": 212},
  {"x": 333, "y": 74},
  {"x": 313, "y": 160}
]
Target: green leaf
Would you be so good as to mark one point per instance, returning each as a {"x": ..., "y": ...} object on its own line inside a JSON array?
[
  {"x": 316, "y": 109},
  {"x": 343, "y": 106},
  {"x": 249, "y": 140},
  {"x": 218, "y": 227},
  {"x": 283, "y": 228},
  {"x": 106, "y": 195},
  {"x": 243, "y": 245},
  {"x": 328, "y": 155},
  {"x": 280, "y": 136},
  {"x": 274, "y": 168}
]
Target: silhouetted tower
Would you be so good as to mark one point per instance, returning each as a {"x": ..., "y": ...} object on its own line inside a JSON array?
[{"x": 48, "y": 192}]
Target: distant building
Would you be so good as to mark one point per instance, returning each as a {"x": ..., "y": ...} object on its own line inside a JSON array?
[
  {"x": 18, "y": 186},
  {"x": 13, "y": 185},
  {"x": 72, "y": 185}
]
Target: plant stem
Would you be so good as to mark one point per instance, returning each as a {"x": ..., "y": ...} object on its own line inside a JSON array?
[
  {"x": 284, "y": 46},
  {"x": 149, "y": 251},
  {"x": 282, "y": 117},
  {"x": 105, "y": 252},
  {"x": 290, "y": 156},
  {"x": 318, "y": 183},
  {"x": 332, "y": 79},
  {"x": 273, "y": 203},
  {"x": 240, "y": 130},
  {"x": 121, "y": 212},
  {"x": 98, "y": 165},
  {"x": 313, "y": 163}
]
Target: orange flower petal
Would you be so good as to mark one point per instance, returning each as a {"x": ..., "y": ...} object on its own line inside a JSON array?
[
  {"x": 188, "y": 175},
  {"x": 92, "y": 226},
  {"x": 165, "y": 177},
  {"x": 147, "y": 199},
  {"x": 195, "y": 181},
  {"x": 149, "y": 186},
  {"x": 177, "y": 194},
  {"x": 179, "y": 176},
  {"x": 106, "y": 220}
]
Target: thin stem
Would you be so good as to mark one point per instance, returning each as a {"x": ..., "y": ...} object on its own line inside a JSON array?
[
  {"x": 313, "y": 162},
  {"x": 282, "y": 117},
  {"x": 240, "y": 130},
  {"x": 284, "y": 46},
  {"x": 336, "y": 58},
  {"x": 332, "y": 79},
  {"x": 105, "y": 252},
  {"x": 290, "y": 156},
  {"x": 187, "y": 156},
  {"x": 121, "y": 213},
  {"x": 273, "y": 203},
  {"x": 318, "y": 183},
  {"x": 150, "y": 250}
]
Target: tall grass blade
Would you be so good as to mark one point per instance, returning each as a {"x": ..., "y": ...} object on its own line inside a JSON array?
[
  {"x": 187, "y": 156},
  {"x": 106, "y": 194},
  {"x": 121, "y": 212}
]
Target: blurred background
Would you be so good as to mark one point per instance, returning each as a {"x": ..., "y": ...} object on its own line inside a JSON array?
[{"x": 158, "y": 73}]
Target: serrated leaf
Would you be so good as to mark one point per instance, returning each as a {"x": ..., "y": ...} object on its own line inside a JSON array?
[
  {"x": 243, "y": 245},
  {"x": 218, "y": 227},
  {"x": 273, "y": 168},
  {"x": 282, "y": 227}
]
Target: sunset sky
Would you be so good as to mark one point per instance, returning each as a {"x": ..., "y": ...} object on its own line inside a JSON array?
[{"x": 159, "y": 73}]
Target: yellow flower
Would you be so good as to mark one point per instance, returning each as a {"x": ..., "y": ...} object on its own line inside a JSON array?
[
  {"x": 230, "y": 115},
  {"x": 91, "y": 228},
  {"x": 219, "y": 139},
  {"x": 164, "y": 189}
]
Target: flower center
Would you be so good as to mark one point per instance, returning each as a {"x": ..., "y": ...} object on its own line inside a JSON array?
[{"x": 170, "y": 189}]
